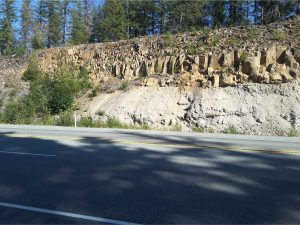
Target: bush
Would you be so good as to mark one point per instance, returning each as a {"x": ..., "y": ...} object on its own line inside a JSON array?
[
  {"x": 125, "y": 86},
  {"x": 33, "y": 71},
  {"x": 231, "y": 130},
  {"x": 243, "y": 57},
  {"x": 61, "y": 97},
  {"x": 114, "y": 123},
  {"x": 168, "y": 41},
  {"x": 198, "y": 129},
  {"x": 278, "y": 34},
  {"x": 65, "y": 119}
]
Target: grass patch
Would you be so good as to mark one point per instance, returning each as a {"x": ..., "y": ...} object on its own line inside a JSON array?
[
  {"x": 232, "y": 130},
  {"x": 198, "y": 129},
  {"x": 110, "y": 123}
]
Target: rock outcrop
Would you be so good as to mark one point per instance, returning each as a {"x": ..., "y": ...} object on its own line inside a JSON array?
[
  {"x": 265, "y": 109},
  {"x": 196, "y": 60}
]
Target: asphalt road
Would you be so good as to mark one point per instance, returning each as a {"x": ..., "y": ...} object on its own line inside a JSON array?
[{"x": 51, "y": 175}]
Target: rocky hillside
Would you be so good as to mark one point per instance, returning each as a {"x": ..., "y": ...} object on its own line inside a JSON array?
[
  {"x": 239, "y": 79},
  {"x": 221, "y": 57},
  {"x": 11, "y": 84}
]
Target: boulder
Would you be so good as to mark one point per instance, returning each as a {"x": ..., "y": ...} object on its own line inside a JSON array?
[
  {"x": 268, "y": 57},
  {"x": 294, "y": 72},
  {"x": 280, "y": 54},
  {"x": 289, "y": 58},
  {"x": 227, "y": 80},
  {"x": 286, "y": 76},
  {"x": 249, "y": 65},
  {"x": 275, "y": 78},
  {"x": 151, "y": 82},
  {"x": 215, "y": 80}
]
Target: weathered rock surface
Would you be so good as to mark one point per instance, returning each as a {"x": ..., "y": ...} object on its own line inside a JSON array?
[
  {"x": 253, "y": 108},
  {"x": 194, "y": 61},
  {"x": 11, "y": 71}
]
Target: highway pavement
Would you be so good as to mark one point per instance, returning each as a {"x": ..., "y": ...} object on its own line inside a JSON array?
[{"x": 57, "y": 175}]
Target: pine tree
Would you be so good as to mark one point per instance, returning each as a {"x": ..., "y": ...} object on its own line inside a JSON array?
[
  {"x": 26, "y": 24},
  {"x": 54, "y": 33},
  {"x": 87, "y": 19},
  {"x": 65, "y": 9},
  {"x": 236, "y": 15},
  {"x": 113, "y": 23},
  {"x": 185, "y": 15},
  {"x": 79, "y": 34},
  {"x": 143, "y": 17},
  {"x": 7, "y": 33},
  {"x": 40, "y": 25},
  {"x": 218, "y": 12}
]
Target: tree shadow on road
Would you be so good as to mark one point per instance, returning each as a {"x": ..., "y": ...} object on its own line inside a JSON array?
[{"x": 149, "y": 184}]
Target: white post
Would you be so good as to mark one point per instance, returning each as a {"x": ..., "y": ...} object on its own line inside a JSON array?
[{"x": 75, "y": 120}]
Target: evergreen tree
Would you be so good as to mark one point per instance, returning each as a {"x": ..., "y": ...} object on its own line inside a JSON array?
[
  {"x": 7, "y": 18},
  {"x": 65, "y": 10},
  {"x": 218, "y": 13},
  {"x": 185, "y": 15},
  {"x": 26, "y": 24},
  {"x": 87, "y": 19},
  {"x": 236, "y": 14},
  {"x": 113, "y": 23},
  {"x": 40, "y": 25},
  {"x": 79, "y": 34},
  {"x": 143, "y": 16},
  {"x": 54, "y": 33}
]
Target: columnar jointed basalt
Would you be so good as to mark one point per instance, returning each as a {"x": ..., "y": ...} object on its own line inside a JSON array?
[{"x": 221, "y": 57}]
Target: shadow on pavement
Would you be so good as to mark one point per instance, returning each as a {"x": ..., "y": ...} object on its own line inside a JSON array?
[{"x": 148, "y": 184}]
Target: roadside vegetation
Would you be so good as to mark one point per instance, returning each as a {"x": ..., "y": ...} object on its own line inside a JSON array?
[{"x": 50, "y": 96}]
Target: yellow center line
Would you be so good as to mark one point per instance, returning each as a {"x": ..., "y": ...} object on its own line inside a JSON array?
[{"x": 120, "y": 141}]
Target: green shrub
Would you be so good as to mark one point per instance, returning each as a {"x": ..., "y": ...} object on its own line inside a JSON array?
[
  {"x": 114, "y": 123},
  {"x": 243, "y": 57},
  {"x": 87, "y": 122},
  {"x": 61, "y": 97},
  {"x": 65, "y": 119},
  {"x": 252, "y": 33},
  {"x": 194, "y": 31},
  {"x": 292, "y": 133},
  {"x": 278, "y": 35},
  {"x": 231, "y": 130},
  {"x": 198, "y": 129},
  {"x": 33, "y": 72},
  {"x": 168, "y": 41},
  {"x": 125, "y": 86}
]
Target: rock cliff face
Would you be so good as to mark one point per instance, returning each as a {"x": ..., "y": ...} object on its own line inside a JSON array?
[
  {"x": 252, "y": 108},
  {"x": 208, "y": 58}
]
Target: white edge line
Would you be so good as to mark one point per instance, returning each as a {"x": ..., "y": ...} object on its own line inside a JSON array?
[
  {"x": 66, "y": 214},
  {"x": 26, "y": 153}
]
